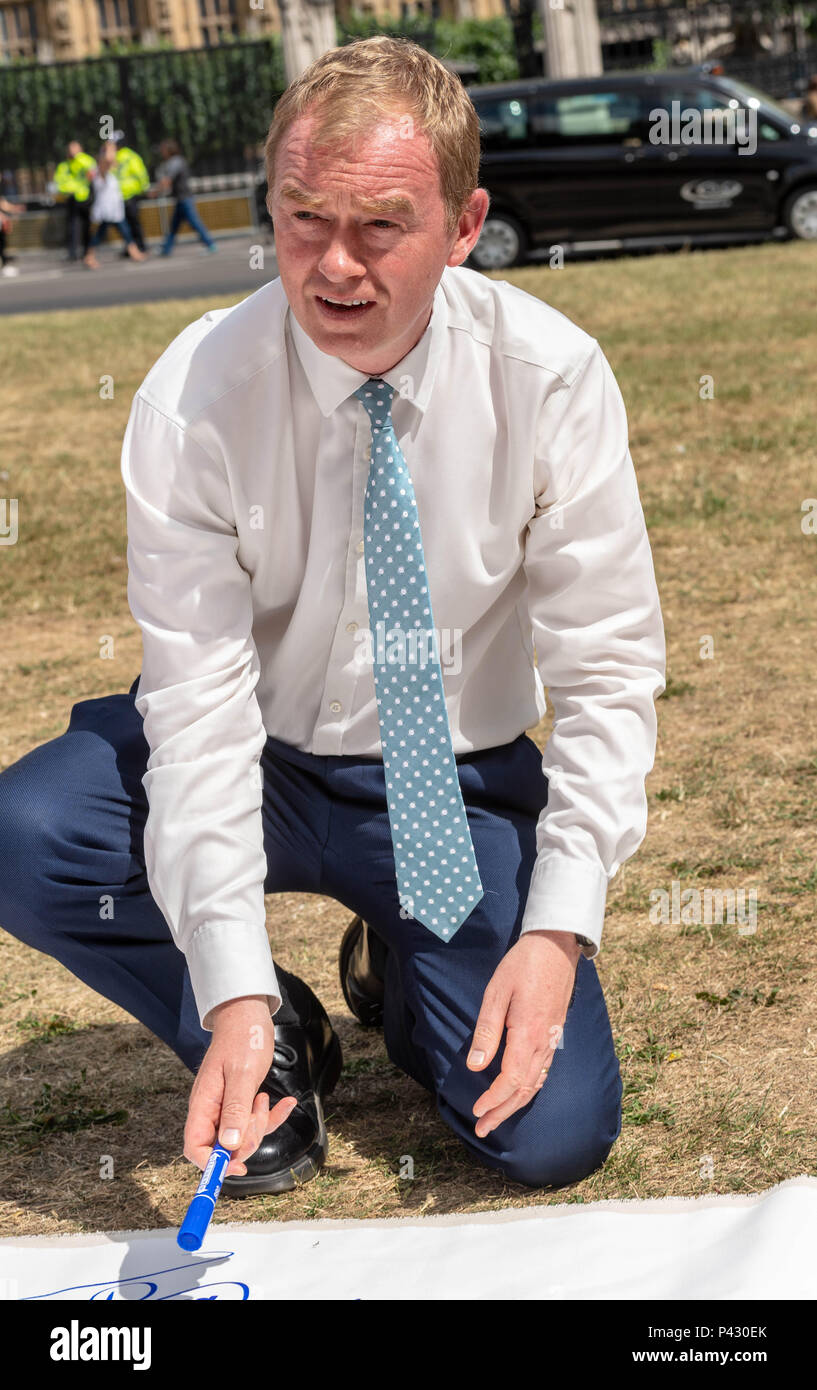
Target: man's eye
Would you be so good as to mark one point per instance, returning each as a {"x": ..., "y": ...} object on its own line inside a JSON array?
[{"x": 379, "y": 222}]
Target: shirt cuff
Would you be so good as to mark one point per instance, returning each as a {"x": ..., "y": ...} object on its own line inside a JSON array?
[
  {"x": 567, "y": 895},
  {"x": 230, "y": 960}
]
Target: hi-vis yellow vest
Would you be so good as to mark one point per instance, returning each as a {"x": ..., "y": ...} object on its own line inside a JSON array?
[
  {"x": 70, "y": 177},
  {"x": 131, "y": 172}
]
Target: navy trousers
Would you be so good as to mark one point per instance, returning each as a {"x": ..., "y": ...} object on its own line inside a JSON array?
[{"x": 72, "y": 816}]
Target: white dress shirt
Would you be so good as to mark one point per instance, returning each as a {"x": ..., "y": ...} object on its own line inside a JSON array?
[{"x": 245, "y": 462}]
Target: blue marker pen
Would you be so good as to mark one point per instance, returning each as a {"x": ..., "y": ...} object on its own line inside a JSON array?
[{"x": 194, "y": 1227}]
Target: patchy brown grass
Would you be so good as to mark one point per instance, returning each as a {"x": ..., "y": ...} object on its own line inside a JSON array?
[{"x": 715, "y": 1029}]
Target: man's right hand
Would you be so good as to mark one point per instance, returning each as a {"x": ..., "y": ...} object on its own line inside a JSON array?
[{"x": 225, "y": 1104}]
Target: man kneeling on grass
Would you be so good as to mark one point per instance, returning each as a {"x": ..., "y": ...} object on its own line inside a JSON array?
[{"x": 378, "y": 442}]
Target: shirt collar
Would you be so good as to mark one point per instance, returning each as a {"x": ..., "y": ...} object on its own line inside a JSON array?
[{"x": 332, "y": 380}]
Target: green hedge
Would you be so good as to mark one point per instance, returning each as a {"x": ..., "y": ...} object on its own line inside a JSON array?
[{"x": 216, "y": 102}]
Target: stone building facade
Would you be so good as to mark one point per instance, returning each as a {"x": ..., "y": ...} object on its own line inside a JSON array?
[{"x": 52, "y": 30}]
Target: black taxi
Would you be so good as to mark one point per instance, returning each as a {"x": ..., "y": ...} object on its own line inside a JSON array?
[{"x": 658, "y": 158}]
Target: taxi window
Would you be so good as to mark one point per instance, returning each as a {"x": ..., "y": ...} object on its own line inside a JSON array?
[
  {"x": 503, "y": 121},
  {"x": 693, "y": 99},
  {"x": 587, "y": 118}
]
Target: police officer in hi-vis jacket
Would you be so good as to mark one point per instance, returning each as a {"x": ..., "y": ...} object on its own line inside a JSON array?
[
  {"x": 73, "y": 179},
  {"x": 134, "y": 180}
]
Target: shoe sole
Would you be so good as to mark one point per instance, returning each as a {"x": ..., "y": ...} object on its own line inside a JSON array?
[{"x": 310, "y": 1164}]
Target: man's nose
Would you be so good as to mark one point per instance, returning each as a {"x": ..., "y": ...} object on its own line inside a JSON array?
[{"x": 340, "y": 259}]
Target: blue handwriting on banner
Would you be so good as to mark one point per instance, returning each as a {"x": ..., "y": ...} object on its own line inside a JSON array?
[{"x": 141, "y": 1287}]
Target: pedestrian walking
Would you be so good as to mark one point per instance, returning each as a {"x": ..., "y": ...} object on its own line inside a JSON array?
[
  {"x": 173, "y": 176},
  {"x": 108, "y": 208}
]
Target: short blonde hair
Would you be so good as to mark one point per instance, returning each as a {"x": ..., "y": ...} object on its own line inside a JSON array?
[{"x": 352, "y": 88}]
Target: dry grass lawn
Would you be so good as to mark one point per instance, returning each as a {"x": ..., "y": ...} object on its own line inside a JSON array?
[{"x": 715, "y": 1029}]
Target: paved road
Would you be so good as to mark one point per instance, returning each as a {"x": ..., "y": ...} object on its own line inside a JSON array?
[{"x": 47, "y": 282}]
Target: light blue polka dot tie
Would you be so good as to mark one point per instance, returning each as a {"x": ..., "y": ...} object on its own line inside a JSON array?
[{"x": 437, "y": 877}]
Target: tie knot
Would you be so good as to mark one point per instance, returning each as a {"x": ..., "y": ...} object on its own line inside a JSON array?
[{"x": 376, "y": 395}]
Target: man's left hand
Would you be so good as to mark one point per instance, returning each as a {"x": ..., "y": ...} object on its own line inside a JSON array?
[{"x": 528, "y": 994}]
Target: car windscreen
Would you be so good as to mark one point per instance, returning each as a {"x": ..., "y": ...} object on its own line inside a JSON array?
[{"x": 748, "y": 93}]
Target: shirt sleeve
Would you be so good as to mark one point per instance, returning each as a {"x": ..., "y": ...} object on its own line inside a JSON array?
[
  {"x": 596, "y": 618},
  {"x": 204, "y": 848}
]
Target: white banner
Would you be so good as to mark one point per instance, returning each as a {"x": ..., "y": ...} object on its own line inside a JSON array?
[{"x": 729, "y": 1247}]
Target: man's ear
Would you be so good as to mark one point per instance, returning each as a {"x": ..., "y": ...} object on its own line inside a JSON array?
[{"x": 470, "y": 226}]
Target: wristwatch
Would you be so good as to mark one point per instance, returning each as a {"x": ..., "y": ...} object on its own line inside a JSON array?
[{"x": 583, "y": 940}]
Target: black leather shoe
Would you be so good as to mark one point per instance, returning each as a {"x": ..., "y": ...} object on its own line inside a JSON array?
[
  {"x": 362, "y": 964},
  {"x": 307, "y": 1063}
]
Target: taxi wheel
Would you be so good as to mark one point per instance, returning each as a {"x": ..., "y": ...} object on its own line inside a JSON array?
[
  {"x": 501, "y": 244},
  {"x": 800, "y": 213}
]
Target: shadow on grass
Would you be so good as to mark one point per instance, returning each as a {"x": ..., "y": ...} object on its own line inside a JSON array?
[
  {"x": 81, "y": 1109},
  {"x": 91, "y": 1134}
]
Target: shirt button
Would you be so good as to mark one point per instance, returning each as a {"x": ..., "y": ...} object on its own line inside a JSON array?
[
  {"x": 351, "y": 627},
  {"x": 360, "y": 547},
  {"x": 336, "y": 707}
]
